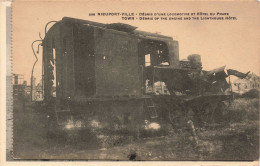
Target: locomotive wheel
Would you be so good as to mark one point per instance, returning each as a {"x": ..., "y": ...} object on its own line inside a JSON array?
[
  {"x": 206, "y": 111},
  {"x": 221, "y": 111},
  {"x": 213, "y": 112},
  {"x": 190, "y": 114},
  {"x": 176, "y": 116}
]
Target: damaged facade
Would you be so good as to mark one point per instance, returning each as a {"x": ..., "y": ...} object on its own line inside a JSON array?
[{"x": 252, "y": 81}]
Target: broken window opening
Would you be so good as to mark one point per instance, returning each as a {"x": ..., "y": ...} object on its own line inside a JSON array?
[
  {"x": 158, "y": 52},
  {"x": 53, "y": 63},
  {"x": 147, "y": 60},
  {"x": 153, "y": 53}
]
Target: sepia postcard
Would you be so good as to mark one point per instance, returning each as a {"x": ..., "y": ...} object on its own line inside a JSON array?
[{"x": 97, "y": 81}]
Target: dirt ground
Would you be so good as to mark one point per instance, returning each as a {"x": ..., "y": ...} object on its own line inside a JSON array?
[{"x": 236, "y": 138}]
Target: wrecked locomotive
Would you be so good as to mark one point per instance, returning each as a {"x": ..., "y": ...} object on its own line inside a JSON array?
[{"x": 121, "y": 77}]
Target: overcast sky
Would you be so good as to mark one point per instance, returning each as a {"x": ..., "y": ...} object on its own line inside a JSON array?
[{"x": 235, "y": 44}]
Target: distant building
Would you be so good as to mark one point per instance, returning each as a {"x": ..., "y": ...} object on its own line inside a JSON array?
[
  {"x": 19, "y": 86},
  {"x": 37, "y": 94},
  {"x": 252, "y": 81},
  {"x": 23, "y": 91}
]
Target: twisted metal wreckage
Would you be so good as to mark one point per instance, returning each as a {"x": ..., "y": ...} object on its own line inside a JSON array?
[{"x": 120, "y": 76}]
